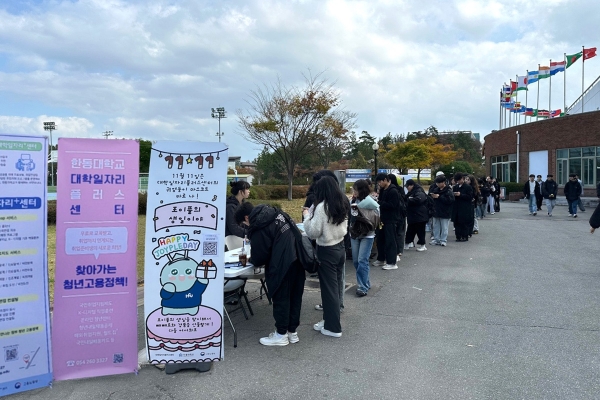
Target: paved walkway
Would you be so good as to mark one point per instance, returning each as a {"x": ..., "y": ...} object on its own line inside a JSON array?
[{"x": 511, "y": 314}]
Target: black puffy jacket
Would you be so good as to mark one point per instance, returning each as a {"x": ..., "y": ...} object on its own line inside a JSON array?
[
  {"x": 443, "y": 204},
  {"x": 231, "y": 227},
  {"x": 273, "y": 244},
  {"x": 416, "y": 207}
]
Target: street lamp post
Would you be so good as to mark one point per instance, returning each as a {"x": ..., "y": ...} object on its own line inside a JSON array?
[
  {"x": 218, "y": 113},
  {"x": 375, "y": 150},
  {"x": 106, "y": 134},
  {"x": 50, "y": 126}
]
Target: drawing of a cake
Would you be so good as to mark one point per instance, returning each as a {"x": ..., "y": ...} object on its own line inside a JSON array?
[{"x": 184, "y": 338}]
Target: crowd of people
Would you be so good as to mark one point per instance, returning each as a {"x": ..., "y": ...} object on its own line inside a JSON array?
[
  {"x": 377, "y": 222},
  {"x": 535, "y": 190}
]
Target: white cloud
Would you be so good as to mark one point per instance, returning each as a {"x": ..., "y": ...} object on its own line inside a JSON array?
[{"x": 154, "y": 69}]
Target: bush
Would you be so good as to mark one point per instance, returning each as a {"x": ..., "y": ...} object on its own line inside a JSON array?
[
  {"x": 276, "y": 192},
  {"x": 512, "y": 187},
  {"x": 142, "y": 203},
  {"x": 52, "y": 212}
]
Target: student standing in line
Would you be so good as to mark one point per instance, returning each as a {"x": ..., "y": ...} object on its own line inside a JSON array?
[
  {"x": 492, "y": 196},
  {"x": 443, "y": 199},
  {"x": 416, "y": 214},
  {"x": 462, "y": 211},
  {"x": 326, "y": 223},
  {"x": 531, "y": 191},
  {"x": 387, "y": 252}
]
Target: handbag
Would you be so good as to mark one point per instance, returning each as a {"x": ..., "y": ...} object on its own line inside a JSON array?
[{"x": 304, "y": 249}]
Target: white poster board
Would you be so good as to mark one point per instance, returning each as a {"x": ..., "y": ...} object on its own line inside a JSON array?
[
  {"x": 25, "y": 362},
  {"x": 538, "y": 163},
  {"x": 185, "y": 241}
]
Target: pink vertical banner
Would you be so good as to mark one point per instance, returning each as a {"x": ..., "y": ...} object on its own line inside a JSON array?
[{"x": 94, "y": 330}]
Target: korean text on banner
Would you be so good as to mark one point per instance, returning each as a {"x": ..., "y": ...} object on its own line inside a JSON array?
[
  {"x": 95, "y": 301},
  {"x": 185, "y": 228},
  {"x": 25, "y": 362}
]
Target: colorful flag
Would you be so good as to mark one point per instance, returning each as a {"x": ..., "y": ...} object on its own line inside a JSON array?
[
  {"x": 506, "y": 90},
  {"x": 517, "y": 104},
  {"x": 508, "y": 104},
  {"x": 529, "y": 111},
  {"x": 544, "y": 72},
  {"x": 589, "y": 53},
  {"x": 543, "y": 113},
  {"x": 522, "y": 109},
  {"x": 532, "y": 77},
  {"x": 513, "y": 86},
  {"x": 521, "y": 82},
  {"x": 556, "y": 113},
  {"x": 556, "y": 67},
  {"x": 572, "y": 58}
]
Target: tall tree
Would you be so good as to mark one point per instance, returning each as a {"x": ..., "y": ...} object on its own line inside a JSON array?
[
  {"x": 290, "y": 120},
  {"x": 145, "y": 150},
  {"x": 420, "y": 154}
]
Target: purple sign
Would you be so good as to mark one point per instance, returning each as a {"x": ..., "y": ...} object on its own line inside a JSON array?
[{"x": 94, "y": 330}]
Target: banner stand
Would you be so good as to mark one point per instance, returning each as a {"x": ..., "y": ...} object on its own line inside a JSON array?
[{"x": 198, "y": 366}]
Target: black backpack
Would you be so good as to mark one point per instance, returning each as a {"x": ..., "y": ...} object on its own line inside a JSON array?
[
  {"x": 430, "y": 206},
  {"x": 359, "y": 225},
  {"x": 304, "y": 249}
]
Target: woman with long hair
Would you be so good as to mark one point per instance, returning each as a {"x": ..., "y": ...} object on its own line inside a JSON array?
[
  {"x": 364, "y": 210},
  {"x": 240, "y": 191},
  {"x": 474, "y": 225},
  {"x": 401, "y": 225},
  {"x": 325, "y": 222}
]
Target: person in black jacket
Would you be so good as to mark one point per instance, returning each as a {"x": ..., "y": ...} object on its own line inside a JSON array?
[
  {"x": 444, "y": 199},
  {"x": 572, "y": 191},
  {"x": 595, "y": 219},
  {"x": 240, "y": 190},
  {"x": 401, "y": 225},
  {"x": 484, "y": 190},
  {"x": 274, "y": 246},
  {"x": 386, "y": 235},
  {"x": 417, "y": 214},
  {"x": 462, "y": 211},
  {"x": 549, "y": 192}
]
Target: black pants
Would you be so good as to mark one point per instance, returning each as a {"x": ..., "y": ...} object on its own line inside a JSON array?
[
  {"x": 386, "y": 243},
  {"x": 332, "y": 260},
  {"x": 287, "y": 300},
  {"x": 538, "y": 200},
  {"x": 461, "y": 229},
  {"x": 400, "y": 235},
  {"x": 417, "y": 228}
]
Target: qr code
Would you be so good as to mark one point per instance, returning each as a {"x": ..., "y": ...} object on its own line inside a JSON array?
[
  {"x": 118, "y": 358},
  {"x": 11, "y": 353},
  {"x": 209, "y": 248}
]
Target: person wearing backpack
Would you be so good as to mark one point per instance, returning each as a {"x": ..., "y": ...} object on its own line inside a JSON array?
[
  {"x": 444, "y": 199},
  {"x": 364, "y": 217},
  {"x": 417, "y": 214},
  {"x": 274, "y": 246}
]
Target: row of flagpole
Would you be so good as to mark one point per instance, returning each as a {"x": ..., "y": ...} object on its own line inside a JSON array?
[{"x": 522, "y": 83}]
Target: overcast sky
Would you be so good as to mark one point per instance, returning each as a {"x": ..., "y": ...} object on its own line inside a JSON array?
[{"x": 153, "y": 69}]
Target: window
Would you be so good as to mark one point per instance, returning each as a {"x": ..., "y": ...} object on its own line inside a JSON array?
[
  {"x": 581, "y": 161},
  {"x": 504, "y": 168}
]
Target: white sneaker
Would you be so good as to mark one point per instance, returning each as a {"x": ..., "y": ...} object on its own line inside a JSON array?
[
  {"x": 570, "y": 215},
  {"x": 319, "y": 325},
  {"x": 389, "y": 266},
  {"x": 319, "y": 307},
  {"x": 443, "y": 244},
  {"x": 411, "y": 244},
  {"x": 378, "y": 263},
  {"x": 329, "y": 333},
  {"x": 433, "y": 243},
  {"x": 275, "y": 339},
  {"x": 421, "y": 248},
  {"x": 293, "y": 337},
  {"x": 398, "y": 259},
  {"x": 574, "y": 215}
]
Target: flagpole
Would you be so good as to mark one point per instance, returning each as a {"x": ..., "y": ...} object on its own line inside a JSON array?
[
  {"x": 526, "y": 93},
  {"x": 550, "y": 89},
  {"x": 538, "y": 93},
  {"x": 517, "y": 117},
  {"x": 565, "y": 85},
  {"x": 582, "y": 73},
  {"x": 500, "y": 110}
]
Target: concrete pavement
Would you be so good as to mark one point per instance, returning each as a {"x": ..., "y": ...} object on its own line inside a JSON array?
[{"x": 513, "y": 313}]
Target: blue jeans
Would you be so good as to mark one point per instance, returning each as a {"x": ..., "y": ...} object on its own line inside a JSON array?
[
  {"x": 532, "y": 204},
  {"x": 440, "y": 229},
  {"x": 361, "y": 250},
  {"x": 550, "y": 204},
  {"x": 572, "y": 206}
]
